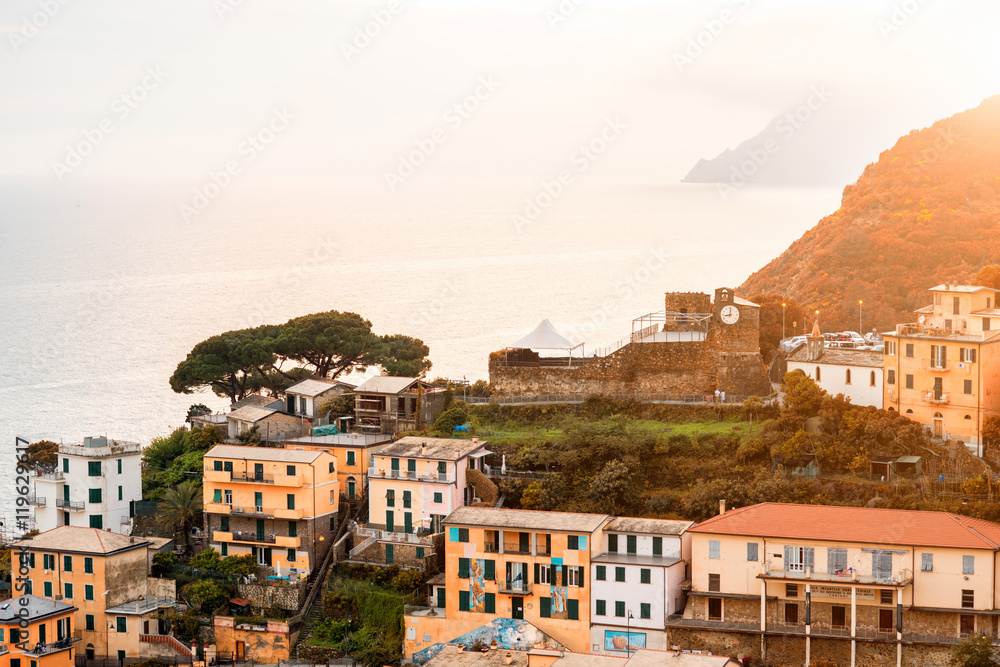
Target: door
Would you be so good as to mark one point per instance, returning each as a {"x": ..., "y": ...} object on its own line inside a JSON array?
[
  {"x": 715, "y": 609},
  {"x": 258, "y": 501},
  {"x": 407, "y": 522},
  {"x": 411, "y": 468},
  {"x": 967, "y": 625},
  {"x": 258, "y": 471},
  {"x": 839, "y": 617},
  {"x": 394, "y": 465},
  {"x": 885, "y": 620},
  {"x": 241, "y": 651},
  {"x": 267, "y": 556},
  {"x": 66, "y": 493},
  {"x": 41, "y": 632},
  {"x": 350, "y": 488},
  {"x": 791, "y": 613},
  {"x": 260, "y": 530},
  {"x": 938, "y": 388},
  {"x": 440, "y": 597},
  {"x": 517, "y": 608},
  {"x": 390, "y": 524},
  {"x": 938, "y": 425},
  {"x": 523, "y": 543}
]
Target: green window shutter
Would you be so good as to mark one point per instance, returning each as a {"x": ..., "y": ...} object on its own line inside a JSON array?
[
  {"x": 350, "y": 458},
  {"x": 463, "y": 568},
  {"x": 565, "y": 575},
  {"x": 88, "y": 592},
  {"x": 406, "y": 498},
  {"x": 68, "y": 591},
  {"x": 389, "y": 556},
  {"x": 537, "y": 578},
  {"x": 644, "y": 576},
  {"x": 463, "y": 534},
  {"x": 258, "y": 499},
  {"x": 217, "y": 496},
  {"x": 619, "y": 574},
  {"x": 47, "y": 588},
  {"x": 581, "y": 576},
  {"x": 602, "y": 573},
  {"x": 93, "y": 468},
  {"x": 224, "y": 549},
  {"x": 97, "y": 521},
  {"x": 573, "y": 607},
  {"x": 94, "y": 495},
  {"x": 119, "y": 466},
  {"x": 293, "y": 529},
  {"x": 463, "y": 600},
  {"x": 224, "y": 524},
  {"x": 65, "y": 465},
  {"x": 420, "y": 553},
  {"x": 630, "y": 544},
  {"x": 68, "y": 563},
  {"x": 89, "y": 622},
  {"x": 438, "y": 497},
  {"x": 572, "y": 542},
  {"x": 657, "y": 546},
  {"x": 291, "y": 501},
  {"x": 644, "y": 610},
  {"x": 491, "y": 603},
  {"x": 613, "y": 543},
  {"x": 620, "y": 609},
  {"x": 601, "y": 608},
  {"x": 411, "y": 465},
  {"x": 217, "y": 466},
  {"x": 122, "y": 623},
  {"x": 545, "y": 607},
  {"x": 490, "y": 570}
]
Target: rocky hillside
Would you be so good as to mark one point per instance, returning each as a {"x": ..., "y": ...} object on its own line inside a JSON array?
[{"x": 928, "y": 211}]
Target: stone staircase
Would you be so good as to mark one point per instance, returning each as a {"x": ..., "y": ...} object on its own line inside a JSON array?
[{"x": 314, "y": 616}]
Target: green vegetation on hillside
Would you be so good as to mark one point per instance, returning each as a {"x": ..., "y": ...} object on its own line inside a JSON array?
[{"x": 923, "y": 214}]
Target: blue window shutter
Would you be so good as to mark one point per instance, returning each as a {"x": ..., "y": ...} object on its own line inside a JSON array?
[
  {"x": 713, "y": 548},
  {"x": 788, "y": 556},
  {"x": 582, "y": 543},
  {"x": 453, "y": 534},
  {"x": 810, "y": 552}
]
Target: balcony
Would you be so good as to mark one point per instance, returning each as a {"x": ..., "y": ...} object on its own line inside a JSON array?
[
  {"x": 934, "y": 365},
  {"x": 492, "y": 548},
  {"x": 284, "y": 513},
  {"x": 937, "y": 398},
  {"x": 72, "y": 505},
  {"x": 256, "y": 511},
  {"x": 514, "y": 588},
  {"x": 395, "y": 537},
  {"x": 412, "y": 476},
  {"x": 218, "y": 476},
  {"x": 53, "y": 476},
  {"x": 848, "y": 578},
  {"x": 287, "y": 542},
  {"x": 37, "y": 501},
  {"x": 516, "y": 550},
  {"x": 256, "y": 478},
  {"x": 247, "y": 536},
  {"x": 40, "y": 648},
  {"x": 219, "y": 508}
]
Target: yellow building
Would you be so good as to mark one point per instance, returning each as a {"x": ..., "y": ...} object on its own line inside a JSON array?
[
  {"x": 852, "y": 585},
  {"x": 104, "y": 576},
  {"x": 512, "y": 564},
  {"x": 354, "y": 454},
  {"x": 278, "y": 504},
  {"x": 944, "y": 369},
  {"x": 47, "y": 638}
]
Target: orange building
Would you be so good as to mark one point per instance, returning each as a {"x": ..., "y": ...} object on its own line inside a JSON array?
[
  {"x": 278, "y": 504},
  {"x": 512, "y": 564},
  {"x": 944, "y": 369},
  {"x": 354, "y": 453},
  {"x": 46, "y": 641},
  {"x": 104, "y": 576}
]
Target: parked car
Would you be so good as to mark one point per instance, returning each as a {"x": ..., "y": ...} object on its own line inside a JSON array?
[{"x": 789, "y": 344}]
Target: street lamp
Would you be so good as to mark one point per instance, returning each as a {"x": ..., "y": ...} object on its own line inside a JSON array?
[
  {"x": 783, "y": 305},
  {"x": 628, "y": 634},
  {"x": 860, "y": 310}
]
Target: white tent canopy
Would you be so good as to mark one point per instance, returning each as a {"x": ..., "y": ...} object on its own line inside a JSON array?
[{"x": 545, "y": 337}]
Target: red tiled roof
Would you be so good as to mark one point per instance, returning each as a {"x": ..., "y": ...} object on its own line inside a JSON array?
[{"x": 826, "y": 523}]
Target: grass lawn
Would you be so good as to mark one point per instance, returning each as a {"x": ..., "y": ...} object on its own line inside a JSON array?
[{"x": 526, "y": 434}]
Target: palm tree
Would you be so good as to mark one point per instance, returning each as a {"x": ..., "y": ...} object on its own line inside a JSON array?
[{"x": 179, "y": 508}]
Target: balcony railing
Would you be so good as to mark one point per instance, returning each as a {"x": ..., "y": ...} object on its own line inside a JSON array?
[
  {"x": 935, "y": 365},
  {"x": 259, "y": 478},
  {"x": 51, "y": 476},
  {"x": 515, "y": 587},
  {"x": 492, "y": 548},
  {"x": 37, "y": 501},
  {"x": 252, "y": 510},
  {"x": 935, "y": 397},
  {"x": 393, "y": 536},
  {"x": 75, "y": 505},
  {"x": 411, "y": 475},
  {"x": 847, "y": 578},
  {"x": 517, "y": 549},
  {"x": 250, "y": 536},
  {"x": 52, "y": 647}
]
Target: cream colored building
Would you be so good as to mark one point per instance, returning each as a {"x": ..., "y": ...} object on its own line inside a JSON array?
[{"x": 790, "y": 583}]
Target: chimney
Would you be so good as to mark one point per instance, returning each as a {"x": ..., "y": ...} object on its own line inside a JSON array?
[
  {"x": 722, "y": 507},
  {"x": 475, "y": 440},
  {"x": 423, "y": 449}
]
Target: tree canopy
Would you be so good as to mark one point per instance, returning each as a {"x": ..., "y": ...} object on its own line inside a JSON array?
[{"x": 272, "y": 357}]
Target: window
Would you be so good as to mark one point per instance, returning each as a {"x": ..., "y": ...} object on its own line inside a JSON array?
[
  {"x": 88, "y": 565},
  {"x": 573, "y": 542},
  {"x": 967, "y": 386},
  {"x": 791, "y": 590},
  {"x": 65, "y": 465},
  {"x": 630, "y": 544},
  {"x": 224, "y": 524},
  {"x": 217, "y": 496},
  {"x": 545, "y": 607},
  {"x": 89, "y": 622},
  {"x": 121, "y": 623},
  {"x": 601, "y": 608},
  {"x": 882, "y": 564},
  {"x": 67, "y": 563},
  {"x": 967, "y": 354},
  {"x": 891, "y": 376},
  {"x": 217, "y": 466},
  {"x": 619, "y": 574},
  {"x": 602, "y": 573},
  {"x": 885, "y": 597},
  {"x": 909, "y": 350},
  {"x": 657, "y": 546},
  {"x": 968, "y": 564},
  {"x": 909, "y": 381},
  {"x": 463, "y": 534},
  {"x": 836, "y": 560},
  {"x": 28, "y": 588},
  {"x": 715, "y": 609},
  {"x": 227, "y": 466},
  {"x": 224, "y": 549},
  {"x": 119, "y": 492},
  {"x": 573, "y": 609},
  {"x": 48, "y": 562},
  {"x": 871, "y": 379},
  {"x": 291, "y": 501},
  {"x": 817, "y": 374},
  {"x": 613, "y": 544},
  {"x": 714, "y": 583},
  {"x": 926, "y": 562},
  {"x": 838, "y": 616},
  {"x": 290, "y": 471},
  {"x": 645, "y": 576},
  {"x": 490, "y": 603},
  {"x": 351, "y": 460},
  {"x": 333, "y": 523},
  {"x": 798, "y": 559},
  {"x": 94, "y": 495},
  {"x": 96, "y": 521},
  {"x": 713, "y": 549},
  {"x": 68, "y": 591},
  {"x": 543, "y": 574},
  {"x": 438, "y": 497},
  {"x": 620, "y": 609},
  {"x": 752, "y": 551},
  {"x": 88, "y": 592},
  {"x": 986, "y": 324},
  {"x": 792, "y": 613},
  {"x": 968, "y": 599},
  {"x": 576, "y": 577},
  {"x": 291, "y": 557},
  {"x": 955, "y": 303},
  {"x": 847, "y": 378},
  {"x": 390, "y": 498},
  {"x": 47, "y": 589},
  {"x": 890, "y": 347},
  {"x": 939, "y": 356},
  {"x": 93, "y": 468},
  {"x": 644, "y": 610},
  {"x": 406, "y": 499}
]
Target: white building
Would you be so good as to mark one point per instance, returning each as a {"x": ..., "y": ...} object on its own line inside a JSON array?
[
  {"x": 93, "y": 485},
  {"x": 305, "y": 398},
  {"x": 857, "y": 374},
  {"x": 636, "y": 583}
]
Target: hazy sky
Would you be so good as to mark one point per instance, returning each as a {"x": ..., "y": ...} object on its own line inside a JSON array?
[{"x": 201, "y": 76}]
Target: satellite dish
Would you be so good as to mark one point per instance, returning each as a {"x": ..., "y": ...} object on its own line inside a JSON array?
[{"x": 921, "y": 319}]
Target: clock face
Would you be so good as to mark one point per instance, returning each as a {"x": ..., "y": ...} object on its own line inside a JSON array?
[{"x": 730, "y": 314}]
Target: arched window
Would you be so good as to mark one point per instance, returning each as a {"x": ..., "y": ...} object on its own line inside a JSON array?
[
  {"x": 352, "y": 488},
  {"x": 938, "y": 415},
  {"x": 872, "y": 380},
  {"x": 968, "y": 416},
  {"x": 891, "y": 409},
  {"x": 909, "y": 412},
  {"x": 848, "y": 376},
  {"x": 817, "y": 374}
]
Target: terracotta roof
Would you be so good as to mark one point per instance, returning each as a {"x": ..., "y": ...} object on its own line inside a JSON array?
[
  {"x": 501, "y": 517},
  {"x": 263, "y": 454},
  {"x": 840, "y": 356},
  {"x": 989, "y": 312},
  {"x": 450, "y": 449},
  {"x": 826, "y": 523},
  {"x": 83, "y": 540},
  {"x": 251, "y": 413},
  {"x": 316, "y": 386},
  {"x": 627, "y": 524}
]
